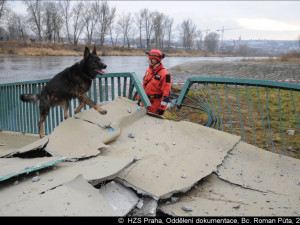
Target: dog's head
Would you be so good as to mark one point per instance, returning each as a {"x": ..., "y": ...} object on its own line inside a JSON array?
[{"x": 93, "y": 63}]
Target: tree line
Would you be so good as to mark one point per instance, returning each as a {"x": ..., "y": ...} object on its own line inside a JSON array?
[{"x": 96, "y": 22}]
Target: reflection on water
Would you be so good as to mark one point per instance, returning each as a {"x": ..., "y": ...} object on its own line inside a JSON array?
[{"x": 26, "y": 68}]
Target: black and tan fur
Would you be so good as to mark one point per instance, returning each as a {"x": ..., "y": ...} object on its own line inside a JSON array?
[{"x": 73, "y": 82}]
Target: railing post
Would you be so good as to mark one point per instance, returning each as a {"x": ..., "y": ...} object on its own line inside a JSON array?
[
  {"x": 236, "y": 109},
  {"x": 23, "y": 117}
]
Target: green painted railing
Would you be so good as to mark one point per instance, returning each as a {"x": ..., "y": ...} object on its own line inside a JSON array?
[
  {"x": 18, "y": 116},
  {"x": 263, "y": 113}
]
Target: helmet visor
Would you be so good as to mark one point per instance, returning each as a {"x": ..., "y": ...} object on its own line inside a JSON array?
[{"x": 159, "y": 56}]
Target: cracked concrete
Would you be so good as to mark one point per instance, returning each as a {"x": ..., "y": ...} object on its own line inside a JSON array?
[
  {"x": 214, "y": 197},
  {"x": 13, "y": 167},
  {"x": 175, "y": 165},
  {"x": 73, "y": 198},
  {"x": 176, "y": 168},
  {"x": 120, "y": 198},
  {"x": 75, "y": 138},
  {"x": 257, "y": 169},
  {"x": 9, "y": 146},
  {"x": 249, "y": 182}
]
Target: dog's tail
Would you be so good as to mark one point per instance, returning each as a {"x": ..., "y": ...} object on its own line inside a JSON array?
[{"x": 30, "y": 97}]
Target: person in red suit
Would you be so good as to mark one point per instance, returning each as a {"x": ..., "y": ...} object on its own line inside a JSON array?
[{"x": 157, "y": 83}]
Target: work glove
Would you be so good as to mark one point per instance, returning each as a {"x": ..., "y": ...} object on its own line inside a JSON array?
[
  {"x": 162, "y": 108},
  {"x": 160, "y": 112}
]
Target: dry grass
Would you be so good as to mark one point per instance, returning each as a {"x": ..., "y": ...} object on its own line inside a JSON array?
[
  {"x": 121, "y": 52},
  {"x": 60, "y": 49},
  {"x": 273, "y": 60},
  {"x": 291, "y": 57},
  {"x": 287, "y": 116},
  {"x": 39, "y": 49},
  {"x": 45, "y": 51}
]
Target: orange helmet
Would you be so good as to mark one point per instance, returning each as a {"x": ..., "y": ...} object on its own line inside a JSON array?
[{"x": 155, "y": 54}]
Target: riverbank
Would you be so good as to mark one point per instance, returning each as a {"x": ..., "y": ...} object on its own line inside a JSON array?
[
  {"x": 236, "y": 69},
  {"x": 26, "y": 48},
  {"x": 272, "y": 71}
]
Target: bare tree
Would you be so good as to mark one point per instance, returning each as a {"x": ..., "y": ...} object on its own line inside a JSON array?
[
  {"x": 199, "y": 39},
  {"x": 48, "y": 11},
  {"x": 158, "y": 27},
  {"x": 34, "y": 9},
  {"x": 10, "y": 19},
  {"x": 58, "y": 23},
  {"x": 21, "y": 27},
  {"x": 114, "y": 32},
  {"x": 139, "y": 23},
  {"x": 67, "y": 13},
  {"x": 125, "y": 23},
  {"x": 105, "y": 18},
  {"x": 77, "y": 22},
  {"x": 16, "y": 26},
  {"x": 2, "y": 4},
  {"x": 3, "y": 7},
  {"x": 89, "y": 20},
  {"x": 168, "y": 28},
  {"x": 188, "y": 33},
  {"x": 147, "y": 25},
  {"x": 132, "y": 35},
  {"x": 211, "y": 42}
]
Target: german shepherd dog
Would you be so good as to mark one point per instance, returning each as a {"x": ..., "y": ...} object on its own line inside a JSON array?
[{"x": 73, "y": 82}]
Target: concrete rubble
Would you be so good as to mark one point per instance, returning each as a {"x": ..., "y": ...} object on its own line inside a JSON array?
[
  {"x": 25, "y": 143},
  {"x": 120, "y": 198},
  {"x": 127, "y": 163},
  {"x": 146, "y": 206},
  {"x": 11, "y": 167}
]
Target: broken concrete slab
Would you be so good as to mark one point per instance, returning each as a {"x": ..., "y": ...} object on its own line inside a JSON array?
[
  {"x": 75, "y": 198},
  {"x": 120, "y": 112},
  {"x": 120, "y": 198},
  {"x": 95, "y": 170},
  {"x": 173, "y": 157},
  {"x": 249, "y": 182},
  {"x": 99, "y": 169},
  {"x": 9, "y": 144},
  {"x": 75, "y": 138},
  {"x": 255, "y": 168},
  {"x": 11, "y": 167},
  {"x": 36, "y": 145},
  {"x": 197, "y": 152},
  {"x": 146, "y": 207},
  {"x": 215, "y": 197}
]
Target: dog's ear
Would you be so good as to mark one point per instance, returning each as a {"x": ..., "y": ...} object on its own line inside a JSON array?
[
  {"x": 86, "y": 52},
  {"x": 94, "y": 51}
]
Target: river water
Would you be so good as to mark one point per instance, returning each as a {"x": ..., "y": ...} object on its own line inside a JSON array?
[{"x": 28, "y": 68}]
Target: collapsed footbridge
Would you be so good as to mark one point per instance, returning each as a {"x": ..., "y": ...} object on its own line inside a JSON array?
[{"x": 129, "y": 163}]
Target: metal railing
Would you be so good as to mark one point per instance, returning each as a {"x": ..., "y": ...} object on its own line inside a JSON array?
[
  {"x": 19, "y": 116},
  {"x": 263, "y": 113}
]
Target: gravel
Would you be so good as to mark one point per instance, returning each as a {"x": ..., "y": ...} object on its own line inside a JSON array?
[{"x": 235, "y": 69}]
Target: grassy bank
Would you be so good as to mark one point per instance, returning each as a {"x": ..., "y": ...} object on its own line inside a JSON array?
[
  {"x": 27, "y": 48},
  {"x": 291, "y": 57},
  {"x": 271, "y": 113}
]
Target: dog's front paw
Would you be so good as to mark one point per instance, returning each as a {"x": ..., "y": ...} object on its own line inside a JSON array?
[{"x": 103, "y": 112}]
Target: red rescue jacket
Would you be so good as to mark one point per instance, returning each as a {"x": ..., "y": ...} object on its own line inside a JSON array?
[{"x": 157, "y": 85}]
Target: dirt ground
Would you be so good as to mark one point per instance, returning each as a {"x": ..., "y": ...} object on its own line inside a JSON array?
[{"x": 235, "y": 69}]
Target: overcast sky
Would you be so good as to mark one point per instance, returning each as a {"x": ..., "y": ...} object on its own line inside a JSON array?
[{"x": 275, "y": 20}]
